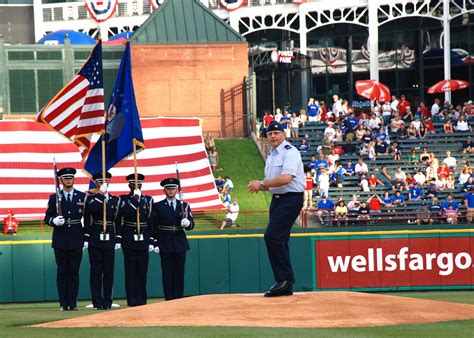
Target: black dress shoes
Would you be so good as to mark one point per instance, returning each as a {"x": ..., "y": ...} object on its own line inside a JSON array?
[
  {"x": 63, "y": 308},
  {"x": 72, "y": 308},
  {"x": 282, "y": 288}
]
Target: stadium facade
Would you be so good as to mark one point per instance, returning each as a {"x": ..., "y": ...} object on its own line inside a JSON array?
[{"x": 333, "y": 43}]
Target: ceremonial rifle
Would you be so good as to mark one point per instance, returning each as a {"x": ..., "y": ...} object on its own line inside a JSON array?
[{"x": 59, "y": 196}]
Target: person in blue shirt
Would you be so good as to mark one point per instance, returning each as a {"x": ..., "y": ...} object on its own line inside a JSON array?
[
  {"x": 449, "y": 201},
  {"x": 285, "y": 119},
  {"x": 398, "y": 199},
  {"x": 469, "y": 202},
  {"x": 304, "y": 146},
  {"x": 320, "y": 164},
  {"x": 415, "y": 192},
  {"x": 387, "y": 199},
  {"x": 353, "y": 120},
  {"x": 325, "y": 207},
  {"x": 381, "y": 133},
  {"x": 312, "y": 165},
  {"x": 313, "y": 110},
  {"x": 349, "y": 168}
]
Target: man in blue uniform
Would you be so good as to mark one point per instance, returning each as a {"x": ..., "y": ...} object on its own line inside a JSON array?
[
  {"x": 136, "y": 242},
  {"x": 285, "y": 178},
  {"x": 101, "y": 242},
  {"x": 170, "y": 217},
  {"x": 68, "y": 238}
]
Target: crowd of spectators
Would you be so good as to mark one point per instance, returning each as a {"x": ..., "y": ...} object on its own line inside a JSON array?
[{"x": 362, "y": 137}]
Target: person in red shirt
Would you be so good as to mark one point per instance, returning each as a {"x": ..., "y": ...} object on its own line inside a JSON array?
[
  {"x": 444, "y": 170},
  {"x": 424, "y": 111},
  {"x": 429, "y": 126},
  {"x": 267, "y": 119},
  {"x": 308, "y": 192},
  {"x": 402, "y": 106},
  {"x": 324, "y": 111},
  {"x": 10, "y": 224},
  {"x": 373, "y": 181},
  {"x": 375, "y": 203}
]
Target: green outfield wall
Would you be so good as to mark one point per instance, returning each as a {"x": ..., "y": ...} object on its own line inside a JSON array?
[{"x": 326, "y": 260}]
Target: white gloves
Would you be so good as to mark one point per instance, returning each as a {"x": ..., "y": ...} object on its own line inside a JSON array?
[
  {"x": 185, "y": 223},
  {"x": 151, "y": 248},
  {"x": 103, "y": 188},
  {"x": 118, "y": 246},
  {"x": 156, "y": 249},
  {"x": 86, "y": 245},
  {"x": 58, "y": 221},
  {"x": 137, "y": 192}
]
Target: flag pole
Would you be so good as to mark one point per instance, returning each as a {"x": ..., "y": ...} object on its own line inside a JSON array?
[
  {"x": 104, "y": 182},
  {"x": 136, "y": 182}
]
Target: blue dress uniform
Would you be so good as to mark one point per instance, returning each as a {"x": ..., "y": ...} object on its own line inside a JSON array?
[
  {"x": 68, "y": 240},
  {"x": 135, "y": 251},
  {"x": 172, "y": 242},
  {"x": 101, "y": 252},
  {"x": 286, "y": 204}
]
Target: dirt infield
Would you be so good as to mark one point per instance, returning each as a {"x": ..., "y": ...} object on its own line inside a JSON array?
[{"x": 302, "y": 310}]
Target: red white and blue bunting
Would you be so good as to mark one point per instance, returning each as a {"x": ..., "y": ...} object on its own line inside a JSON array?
[
  {"x": 232, "y": 5},
  {"x": 101, "y": 10}
]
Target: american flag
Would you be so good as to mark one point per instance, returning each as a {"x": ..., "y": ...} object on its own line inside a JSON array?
[
  {"x": 27, "y": 150},
  {"x": 77, "y": 111}
]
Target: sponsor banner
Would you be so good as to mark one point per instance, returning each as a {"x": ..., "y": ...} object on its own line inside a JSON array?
[
  {"x": 394, "y": 262},
  {"x": 282, "y": 56},
  {"x": 101, "y": 10}
]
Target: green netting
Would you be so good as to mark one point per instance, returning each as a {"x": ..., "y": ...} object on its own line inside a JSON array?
[{"x": 22, "y": 91}]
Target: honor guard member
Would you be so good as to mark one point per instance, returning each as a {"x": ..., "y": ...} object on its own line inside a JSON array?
[
  {"x": 285, "y": 179},
  {"x": 68, "y": 238},
  {"x": 169, "y": 222},
  {"x": 136, "y": 242},
  {"x": 101, "y": 243}
]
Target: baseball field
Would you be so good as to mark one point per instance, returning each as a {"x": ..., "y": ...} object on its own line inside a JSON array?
[{"x": 335, "y": 314}]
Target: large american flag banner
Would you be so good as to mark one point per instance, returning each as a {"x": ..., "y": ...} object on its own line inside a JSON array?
[
  {"x": 77, "y": 111},
  {"x": 27, "y": 149}
]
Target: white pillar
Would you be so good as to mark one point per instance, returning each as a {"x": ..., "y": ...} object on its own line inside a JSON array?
[
  {"x": 234, "y": 21},
  {"x": 373, "y": 40},
  {"x": 446, "y": 46},
  {"x": 38, "y": 19},
  {"x": 303, "y": 30}
]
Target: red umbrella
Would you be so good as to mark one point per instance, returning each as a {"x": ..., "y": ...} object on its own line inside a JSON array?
[
  {"x": 448, "y": 86},
  {"x": 372, "y": 90}
]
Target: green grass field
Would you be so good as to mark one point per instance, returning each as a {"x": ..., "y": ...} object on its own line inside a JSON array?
[{"x": 15, "y": 318}]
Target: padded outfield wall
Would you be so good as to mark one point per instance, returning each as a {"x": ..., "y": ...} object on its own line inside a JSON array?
[{"x": 362, "y": 261}]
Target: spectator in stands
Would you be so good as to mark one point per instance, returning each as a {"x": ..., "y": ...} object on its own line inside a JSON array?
[
  {"x": 337, "y": 174},
  {"x": 381, "y": 147},
  {"x": 450, "y": 161},
  {"x": 413, "y": 158},
  {"x": 436, "y": 210},
  {"x": 463, "y": 125},
  {"x": 386, "y": 113},
  {"x": 416, "y": 123},
  {"x": 430, "y": 128},
  {"x": 361, "y": 168},
  {"x": 345, "y": 107},
  {"x": 387, "y": 199},
  {"x": 308, "y": 192},
  {"x": 374, "y": 122},
  {"x": 232, "y": 214},
  {"x": 414, "y": 192},
  {"x": 412, "y": 132},
  {"x": 314, "y": 110},
  {"x": 341, "y": 213},
  {"x": 338, "y": 134},
  {"x": 364, "y": 183},
  {"x": 435, "y": 108},
  {"x": 464, "y": 176},
  {"x": 448, "y": 127},
  {"x": 443, "y": 170},
  {"x": 295, "y": 125},
  {"x": 349, "y": 168},
  {"x": 419, "y": 177},
  {"x": 375, "y": 203},
  {"x": 371, "y": 151},
  {"x": 398, "y": 199},
  {"x": 303, "y": 117},
  {"x": 323, "y": 182},
  {"x": 373, "y": 181},
  {"x": 450, "y": 182},
  {"x": 349, "y": 148},
  {"x": 324, "y": 111},
  {"x": 396, "y": 124},
  {"x": 422, "y": 131},
  {"x": 385, "y": 177},
  {"x": 363, "y": 119},
  {"x": 431, "y": 174},
  {"x": 285, "y": 122},
  {"x": 394, "y": 105},
  {"x": 312, "y": 164},
  {"x": 228, "y": 184},
  {"x": 267, "y": 119},
  {"x": 353, "y": 206},
  {"x": 325, "y": 208},
  {"x": 469, "y": 203},
  {"x": 402, "y": 106},
  {"x": 278, "y": 115},
  {"x": 326, "y": 144},
  {"x": 321, "y": 164},
  {"x": 424, "y": 113},
  {"x": 423, "y": 213},
  {"x": 432, "y": 191},
  {"x": 402, "y": 133},
  {"x": 433, "y": 160},
  {"x": 400, "y": 175},
  {"x": 468, "y": 146},
  {"x": 440, "y": 183},
  {"x": 449, "y": 201},
  {"x": 333, "y": 157},
  {"x": 336, "y": 107},
  {"x": 364, "y": 214},
  {"x": 360, "y": 133},
  {"x": 451, "y": 215},
  {"x": 395, "y": 151},
  {"x": 410, "y": 180},
  {"x": 408, "y": 117},
  {"x": 424, "y": 156},
  {"x": 304, "y": 146}
]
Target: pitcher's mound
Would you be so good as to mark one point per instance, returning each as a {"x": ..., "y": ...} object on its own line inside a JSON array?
[{"x": 302, "y": 310}]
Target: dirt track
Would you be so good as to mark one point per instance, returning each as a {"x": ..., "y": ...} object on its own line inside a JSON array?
[{"x": 302, "y": 310}]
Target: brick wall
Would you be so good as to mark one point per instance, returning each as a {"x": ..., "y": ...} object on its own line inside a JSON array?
[{"x": 193, "y": 81}]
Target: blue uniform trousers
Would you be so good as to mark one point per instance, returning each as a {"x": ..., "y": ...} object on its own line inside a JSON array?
[
  {"x": 68, "y": 262},
  {"x": 284, "y": 209},
  {"x": 102, "y": 276},
  {"x": 136, "y": 268},
  {"x": 172, "y": 266}
]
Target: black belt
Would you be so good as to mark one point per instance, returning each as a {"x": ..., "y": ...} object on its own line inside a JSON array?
[
  {"x": 72, "y": 221},
  {"x": 134, "y": 224},
  {"x": 102, "y": 222},
  {"x": 288, "y": 194},
  {"x": 169, "y": 228}
]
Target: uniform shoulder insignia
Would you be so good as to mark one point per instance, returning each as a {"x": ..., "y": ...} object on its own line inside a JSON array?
[{"x": 288, "y": 146}]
